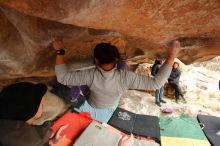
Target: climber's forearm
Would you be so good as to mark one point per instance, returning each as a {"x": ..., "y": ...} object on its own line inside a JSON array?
[
  {"x": 172, "y": 52},
  {"x": 170, "y": 60},
  {"x": 60, "y": 59},
  {"x": 58, "y": 47}
]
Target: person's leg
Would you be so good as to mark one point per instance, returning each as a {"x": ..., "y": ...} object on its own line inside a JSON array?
[
  {"x": 157, "y": 97},
  {"x": 180, "y": 92},
  {"x": 161, "y": 95},
  {"x": 85, "y": 91},
  {"x": 102, "y": 115},
  {"x": 176, "y": 92},
  {"x": 76, "y": 103}
]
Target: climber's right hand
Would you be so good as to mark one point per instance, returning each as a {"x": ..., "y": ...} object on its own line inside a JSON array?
[
  {"x": 57, "y": 43},
  {"x": 173, "y": 49},
  {"x": 172, "y": 52}
]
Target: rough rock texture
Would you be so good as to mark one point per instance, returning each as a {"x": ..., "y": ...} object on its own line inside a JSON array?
[{"x": 137, "y": 27}]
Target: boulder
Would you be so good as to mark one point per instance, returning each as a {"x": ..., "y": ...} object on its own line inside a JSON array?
[{"x": 138, "y": 28}]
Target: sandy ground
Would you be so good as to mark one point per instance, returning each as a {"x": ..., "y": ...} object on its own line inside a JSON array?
[{"x": 144, "y": 103}]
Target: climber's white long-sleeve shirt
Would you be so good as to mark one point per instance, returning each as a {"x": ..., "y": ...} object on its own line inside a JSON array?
[{"x": 106, "y": 87}]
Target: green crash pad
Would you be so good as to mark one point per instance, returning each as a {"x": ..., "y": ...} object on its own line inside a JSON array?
[{"x": 181, "y": 127}]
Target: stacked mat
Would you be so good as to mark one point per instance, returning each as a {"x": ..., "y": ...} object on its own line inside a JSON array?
[
  {"x": 182, "y": 131},
  {"x": 75, "y": 122},
  {"x": 140, "y": 125},
  {"x": 211, "y": 128},
  {"x": 98, "y": 135}
]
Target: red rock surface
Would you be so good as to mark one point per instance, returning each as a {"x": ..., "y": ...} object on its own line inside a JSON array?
[{"x": 137, "y": 27}]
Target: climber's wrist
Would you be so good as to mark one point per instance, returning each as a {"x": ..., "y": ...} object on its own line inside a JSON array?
[{"x": 60, "y": 51}]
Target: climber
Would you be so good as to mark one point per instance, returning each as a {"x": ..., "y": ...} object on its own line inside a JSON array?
[
  {"x": 174, "y": 82},
  {"x": 82, "y": 92},
  {"x": 159, "y": 92},
  {"x": 105, "y": 81}
]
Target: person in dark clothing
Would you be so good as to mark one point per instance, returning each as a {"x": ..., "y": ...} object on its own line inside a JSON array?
[
  {"x": 174, "y": 82},
  {"x": 21, "y": 104},
  {"x": 159, "y": 92},
  {"x": 155, "y": 67}
]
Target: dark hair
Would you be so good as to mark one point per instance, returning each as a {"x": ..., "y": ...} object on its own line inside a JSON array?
[
  {"x": 176, "y": 63},
  {"x": 106, "y": 53},
  {"x": 157, "y": 61}
]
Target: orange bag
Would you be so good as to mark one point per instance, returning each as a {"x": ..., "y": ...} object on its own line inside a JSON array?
[{"x": 76, "y": 125}]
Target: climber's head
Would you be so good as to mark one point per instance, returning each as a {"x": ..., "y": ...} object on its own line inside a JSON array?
[{"x": 106, "y": 56}]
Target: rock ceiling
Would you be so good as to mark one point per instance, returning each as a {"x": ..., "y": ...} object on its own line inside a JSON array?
[{"x": 136, "y": 27}]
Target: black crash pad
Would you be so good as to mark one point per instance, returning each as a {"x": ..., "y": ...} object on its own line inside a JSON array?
[
  {"x": 211, "y": 128},
  {"x": 141, "y": 125}
]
